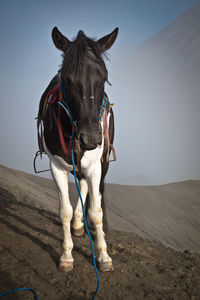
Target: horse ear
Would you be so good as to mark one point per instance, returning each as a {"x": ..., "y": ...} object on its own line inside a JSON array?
[
  {"x": 108, "y": 40},
  {"x": 60, "y": 41}
]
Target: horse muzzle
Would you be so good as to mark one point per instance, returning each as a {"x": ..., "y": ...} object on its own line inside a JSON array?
[{"x": 89, "y": 136}]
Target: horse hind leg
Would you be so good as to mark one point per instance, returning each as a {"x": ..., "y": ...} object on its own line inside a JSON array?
[
  {"x": 66, "y": 213},
  {"x": 78, "y": 224}
]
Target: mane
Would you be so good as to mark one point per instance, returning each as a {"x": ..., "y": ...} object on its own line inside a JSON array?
[{"x": 80, "y": 47}]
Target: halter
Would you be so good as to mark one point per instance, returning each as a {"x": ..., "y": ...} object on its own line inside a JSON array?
[{"x": 105, "y": 105}]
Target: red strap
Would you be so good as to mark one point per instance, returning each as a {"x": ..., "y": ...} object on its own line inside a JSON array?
[{"x": 54, "y": 93}]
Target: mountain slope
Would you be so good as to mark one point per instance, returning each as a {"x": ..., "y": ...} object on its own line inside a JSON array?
[{"x": 167, "y": 214}]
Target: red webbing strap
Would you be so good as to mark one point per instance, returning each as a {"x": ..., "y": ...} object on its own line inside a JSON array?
[
  {"x": 48, "y": 100},
  {"x": 54, "y": 93},
  {"x": 51, "y": 97}
]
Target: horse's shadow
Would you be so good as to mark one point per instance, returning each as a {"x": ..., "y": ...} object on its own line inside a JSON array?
[
  {"x": 86, "y": 256},
  {"x": 9, "y": 204}
]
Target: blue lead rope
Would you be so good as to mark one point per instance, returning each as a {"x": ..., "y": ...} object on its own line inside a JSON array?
[
  {"x": 20, "y": 289},
  {"x": 84, "y": 217}
]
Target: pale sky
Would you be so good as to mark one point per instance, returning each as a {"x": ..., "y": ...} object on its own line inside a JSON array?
[{"x": 29, "y": 60}]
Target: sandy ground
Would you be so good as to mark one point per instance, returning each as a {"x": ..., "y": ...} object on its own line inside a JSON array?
[{"x": 145, "y": 267}]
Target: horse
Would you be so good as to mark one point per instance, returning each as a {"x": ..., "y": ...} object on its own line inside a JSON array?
[{"x": 75, "y": 103}]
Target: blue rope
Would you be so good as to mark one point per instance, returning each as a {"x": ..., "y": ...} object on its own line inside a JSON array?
[
  {"x": 84, "y": 217},
  {"x": 67, "y": 109},
  {"x": 101, "y": 108},
  {"x": 68, "y": 113},
  {"x": 105, "y": 104},
  {"x": 21, "y": 289}
]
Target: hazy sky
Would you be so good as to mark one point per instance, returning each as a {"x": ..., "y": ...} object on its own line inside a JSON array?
[{"x": 29, "y": 60}]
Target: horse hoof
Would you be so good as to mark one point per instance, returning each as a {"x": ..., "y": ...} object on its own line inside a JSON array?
[
  {"x": 106, "y": 266},
  {"x": 65, "y": 266},
  {"x": 78, "y": 231}
]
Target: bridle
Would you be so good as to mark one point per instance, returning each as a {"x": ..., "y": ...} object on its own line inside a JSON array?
[{"x": 58, "y": 94}]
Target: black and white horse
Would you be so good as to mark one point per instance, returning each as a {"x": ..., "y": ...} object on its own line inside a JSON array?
[{"x": 75, "y": 100}]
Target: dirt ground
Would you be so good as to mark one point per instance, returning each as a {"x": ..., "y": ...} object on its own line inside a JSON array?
[{"x": 31, "y": 243}]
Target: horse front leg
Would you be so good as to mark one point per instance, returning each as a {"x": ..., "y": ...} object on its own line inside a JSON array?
[
  {"x": 78, "y": 224},
  {"x": 66, "y": 213},
  {"x": 96, "y": 215}
]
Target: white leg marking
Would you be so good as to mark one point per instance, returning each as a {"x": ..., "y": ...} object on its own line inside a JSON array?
[
  {"x": 96, "y": 213},
  {"x": 66, "y": 212},
  {"x": 78, "y": 224}
]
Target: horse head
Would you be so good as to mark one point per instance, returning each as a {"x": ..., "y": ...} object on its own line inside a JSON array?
[{"x": 83, "y": 75}]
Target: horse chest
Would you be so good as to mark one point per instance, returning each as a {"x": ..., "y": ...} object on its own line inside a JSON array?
[{"x": 88, "y": 160}]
